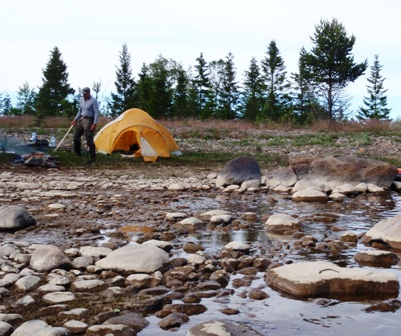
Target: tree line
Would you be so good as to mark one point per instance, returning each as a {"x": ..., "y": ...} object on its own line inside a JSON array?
[{"x": 210, "y": 89}]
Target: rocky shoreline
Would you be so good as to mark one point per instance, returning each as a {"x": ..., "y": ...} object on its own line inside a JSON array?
[
  {"x": 55, "y": 277},
  {"x": 82, "y": 219}
]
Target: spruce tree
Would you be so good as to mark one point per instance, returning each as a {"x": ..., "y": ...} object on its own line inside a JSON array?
[
  {"x": 252, "y": 94},
  {"x": 161, "y": 88},
  {"x": 53, "y": 98},
  {"x": 277, "y": 87},
  {"x": 144, "y": 88},
  {"x": 125, "y": 84},
  {"x": 201, "y": 83},
  {"x": 180, "y": 107},
  {"x": 376, "y": 102},
  {"x": 227, "y": 92},
  {"x": 5, "y": 104}
]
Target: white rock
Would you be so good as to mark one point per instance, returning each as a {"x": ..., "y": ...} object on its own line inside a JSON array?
[
  {"x": 315, "y": 278},
  {"x": 387, "y": 230},
  {"x": 58, "y": 297},
  {"x": 94, "y": 251},
  {"x": 361, "y": 187},
  {"x": 373, "y": 188},
  {"x": 196, "y": 259},
  {"x": 135, "y": 258},
  {"x": 237, "y": 246},
  {"x": 302, "y": 185},
  {"x": 336, "y": 196},
  {"x": 345, "y": 188},
  {"x": 170, "y": 216},
  {"x": 56, "y": 206},
  {"x": 220, "y": 219},
  {"x": 51, "y": 288},
  {"x": 39, "y": 328},
  {"x": 282, "y": 222},
  {"x": 309, "y": 195},
  {"x": 164, "y": 245},
  {"x": 27, "y": 282}
]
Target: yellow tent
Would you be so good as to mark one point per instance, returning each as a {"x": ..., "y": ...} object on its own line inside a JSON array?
[{"x": 136, "y": 127}]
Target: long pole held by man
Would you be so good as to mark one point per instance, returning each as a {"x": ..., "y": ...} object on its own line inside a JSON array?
[{"x": 86, "y": 121}]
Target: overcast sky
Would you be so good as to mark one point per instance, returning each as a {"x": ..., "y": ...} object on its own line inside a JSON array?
[{"x": 90, "y": 35}]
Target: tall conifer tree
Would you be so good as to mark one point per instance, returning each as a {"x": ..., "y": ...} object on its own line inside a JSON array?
[
  {"x": 277, "y": 87},
  {"x": 331, "y": 66},
  {"x": 53, "y": 97},
  {"x": 376, "y": 102},
  {"x": 252, "y": 94},
  {"x": 202, "y": 86},
  {"x": 125, "y": 84}
]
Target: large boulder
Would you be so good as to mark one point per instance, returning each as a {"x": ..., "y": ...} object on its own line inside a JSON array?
[
  {"x": 14, "y": 217},
  {"x": 238, "y": 171},
  {"x": 322, "y": 278},
  {"x": 334, "y": 171},
  {"x": 135, "y": 259},
  {"x": 387, "y": 232}
]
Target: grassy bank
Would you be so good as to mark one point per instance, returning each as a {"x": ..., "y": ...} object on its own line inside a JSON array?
[{"x": 211, "y": 143}]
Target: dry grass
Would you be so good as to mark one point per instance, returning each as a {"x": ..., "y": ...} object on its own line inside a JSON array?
[
  {"x": 50, "y": 122},
  {"x": 231, "y": 126}
]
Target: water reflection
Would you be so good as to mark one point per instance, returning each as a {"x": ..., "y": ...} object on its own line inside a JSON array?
[
  {"x": 357, "y": 214},
  {"x": 280, "y": 315}
]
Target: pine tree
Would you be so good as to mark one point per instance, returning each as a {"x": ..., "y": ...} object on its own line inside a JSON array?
[
  {"x": 376, "y": 102},
  {"x": 125, "y": 84},
  {"x": 252, "y": 95},
  {"x": 330, "y": 66},
  {"x": 53, "y": 98},
  {"x": 277, "y": 100}
]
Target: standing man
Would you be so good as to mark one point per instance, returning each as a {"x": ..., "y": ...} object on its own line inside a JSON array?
[{"x": 86, "y": 121}]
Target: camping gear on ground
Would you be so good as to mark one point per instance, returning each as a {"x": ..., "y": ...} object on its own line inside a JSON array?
[
  {"x": 33, "y": 137},
  {"x": 135, "y": 130},
  {"x": 52, "y": 142}
]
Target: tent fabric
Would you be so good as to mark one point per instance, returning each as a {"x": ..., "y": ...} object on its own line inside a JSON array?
[{"x": 136, "y": 127}]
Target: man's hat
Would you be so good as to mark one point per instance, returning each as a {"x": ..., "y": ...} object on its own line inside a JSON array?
[{"x": 86, "y": 89}]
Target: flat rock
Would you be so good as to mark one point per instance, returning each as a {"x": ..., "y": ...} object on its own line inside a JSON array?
[
  {"x": 376, "y": 258},
  {"x": 387, "y": 231},
  {"x": 309, "y": 195},
  {"x": 135, "y": 258},
  {"x": 222, "y": 327},
  {"x": 321, "y": 278}
]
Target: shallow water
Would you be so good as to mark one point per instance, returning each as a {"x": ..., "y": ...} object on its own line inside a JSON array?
[{"x": 280, "y": 315}]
